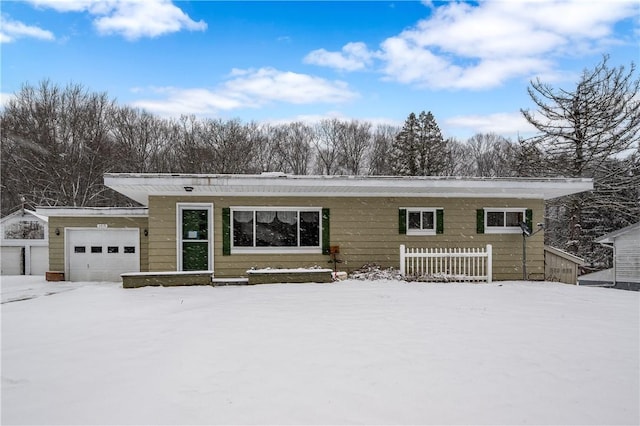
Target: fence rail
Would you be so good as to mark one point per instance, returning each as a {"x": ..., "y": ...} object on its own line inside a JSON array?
[{"x": 438, "y": 264}]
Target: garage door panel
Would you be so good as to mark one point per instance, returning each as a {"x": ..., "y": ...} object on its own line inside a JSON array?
[
  {"x": 11, "y": 258},
  {"x": 102, "y": 254},
  {"x": 39, "y": 260}
]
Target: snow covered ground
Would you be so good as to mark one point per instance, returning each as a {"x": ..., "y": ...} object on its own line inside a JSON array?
[{"x": 354, "y": 352}]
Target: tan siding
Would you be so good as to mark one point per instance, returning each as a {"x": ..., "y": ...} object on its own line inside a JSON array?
[
  {"x": 365, "y": 228},
  {"x": 56, "y": 242}
]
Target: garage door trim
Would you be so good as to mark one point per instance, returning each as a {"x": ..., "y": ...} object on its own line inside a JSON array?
[{"x": 68, "y": 247}]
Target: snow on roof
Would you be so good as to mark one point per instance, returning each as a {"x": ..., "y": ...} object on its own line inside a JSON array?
[
  {"x": 24, "y": 212},
  {"x": 139, "y": 186},
  {"x": 93, "y": 211},
  {"x": 611, "y": 236},
  {"x": 565, "y": 255}
]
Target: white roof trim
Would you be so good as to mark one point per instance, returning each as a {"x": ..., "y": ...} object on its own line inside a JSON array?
[
  {"x": 565, "y": 255},
  {"x": 139, "y": 186},
  {"x": 93, "y": 211},
  {"x": 611, "y": 236},
  {"x": 24, "y": 213}
]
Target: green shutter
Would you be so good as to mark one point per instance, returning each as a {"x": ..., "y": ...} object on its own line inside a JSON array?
[
  {"x": 402, "y": 221},
  {"x": 326, "y": 232},
  {"x": 480, "y": 221},
  {"x": 439, "y": 221},
  {"x": 226, "y": 231},
  {"x": 529, "y": 219}
]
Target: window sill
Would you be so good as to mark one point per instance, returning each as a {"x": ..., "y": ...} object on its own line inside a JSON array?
[
  {"x": 276, "y": 250},
  {"x": 421, "y": 233},
  {"x": 504, "y": 230}
]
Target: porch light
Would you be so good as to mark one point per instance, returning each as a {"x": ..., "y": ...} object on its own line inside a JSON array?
[{"x": 57, "y": 231}]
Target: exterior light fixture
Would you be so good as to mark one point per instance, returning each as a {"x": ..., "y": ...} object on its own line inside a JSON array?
[
  {"x": 146, "y": 232},
  {"x": 57, "y": 231}
]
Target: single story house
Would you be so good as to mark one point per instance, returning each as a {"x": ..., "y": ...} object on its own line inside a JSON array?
[
  {"x": 625, "y": 248},
  {"x": 228, "y": 224},
  {"x": 24, "y": 243}
]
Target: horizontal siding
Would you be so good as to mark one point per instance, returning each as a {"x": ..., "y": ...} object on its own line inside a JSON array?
[
  {"x": 628, "y": 257},
  {"x": 56, "y": 242},
  {"x": 366, "y": 229}
]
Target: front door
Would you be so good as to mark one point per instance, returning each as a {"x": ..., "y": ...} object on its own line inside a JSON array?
[{"x": 195, "y": 236}]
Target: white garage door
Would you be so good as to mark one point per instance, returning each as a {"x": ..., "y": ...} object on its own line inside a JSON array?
[
  {"x": 39, "y": 260},
  {"x": 102, "y": 254},
  {"x": 11, "y": 260}
]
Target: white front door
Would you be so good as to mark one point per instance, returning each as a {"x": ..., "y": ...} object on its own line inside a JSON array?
[{"x": 101, "y": 254}]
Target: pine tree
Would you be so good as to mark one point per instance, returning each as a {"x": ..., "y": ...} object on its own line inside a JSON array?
[
  {"x": 403, "y": 149},
  {"x": 419, "y": 149}
]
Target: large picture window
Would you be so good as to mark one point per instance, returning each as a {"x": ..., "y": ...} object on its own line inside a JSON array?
[{"x": 276, "y": 229}]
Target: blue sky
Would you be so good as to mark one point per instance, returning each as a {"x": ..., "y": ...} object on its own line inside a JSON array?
[{"x": 468, "y": 63}]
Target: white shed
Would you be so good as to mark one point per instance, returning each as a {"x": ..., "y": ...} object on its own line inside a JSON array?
[
  {"x": 625, "y": 247},
  {"x": 24, "y": 243}
]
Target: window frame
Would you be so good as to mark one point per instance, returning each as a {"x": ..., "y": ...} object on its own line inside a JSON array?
[
  {"x": 277, "y": 249},
  {"x": 421, "y": 210},
  {"x": 504, "y": 229}
]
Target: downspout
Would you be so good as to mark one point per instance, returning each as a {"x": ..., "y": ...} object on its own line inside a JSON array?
[{"x": 612, "y": 246}]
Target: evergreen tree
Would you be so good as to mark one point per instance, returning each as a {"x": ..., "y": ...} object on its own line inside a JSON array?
[
  {"x": 403, "y": 149},
  {"x": 419, "y": 149}
]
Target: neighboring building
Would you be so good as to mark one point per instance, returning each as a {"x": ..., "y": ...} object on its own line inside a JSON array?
[
  {"x": 228, "y": 224},
  {"x": 24, "y": 243},
  {"x": 625, "y": 246},
  {"x": 561, "y": 266}
]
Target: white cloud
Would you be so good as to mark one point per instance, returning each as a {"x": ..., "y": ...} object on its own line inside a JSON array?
[
  {"x": 506, "y": 124},
  {"x": 11, "y": 30},
  {"x": 5, "y": 98},
  {"x": 132, "y": 19},
  {"x": 464, "y": 46},
  {"x": 247, "y": 89},
  {"x": 354, "y": 56}
]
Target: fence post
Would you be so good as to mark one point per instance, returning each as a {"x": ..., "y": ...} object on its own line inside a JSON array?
[
  {"x": 489, "y": 264},
  {"x": 402, "y": 260}
]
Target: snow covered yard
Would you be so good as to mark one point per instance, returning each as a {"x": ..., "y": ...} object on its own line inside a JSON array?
[{"x": 376, "y": 352}]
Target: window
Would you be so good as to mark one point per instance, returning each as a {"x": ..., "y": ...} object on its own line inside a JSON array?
[
  {"x": 79, "y": 249},
  {"x": 129, "y": 249},
  {"x": 112, "y": 249},
  {"x": 96, "y": 249},
  {"x": 421, "y": 221},
  {"x": 503, "y": 220},
  {"x": 269, "y": 229}
]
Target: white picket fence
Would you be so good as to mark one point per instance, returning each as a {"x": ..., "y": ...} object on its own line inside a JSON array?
[{"x": 438, "y": 264}]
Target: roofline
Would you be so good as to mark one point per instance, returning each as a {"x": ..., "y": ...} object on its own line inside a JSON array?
[
  {"x": 93, "y": 211},
  {"x": 611, "y": 236},
  {"x": 23, "y": 212},
  {"x": 565, "y": 255},
  {"x": 139, "y": 186}
]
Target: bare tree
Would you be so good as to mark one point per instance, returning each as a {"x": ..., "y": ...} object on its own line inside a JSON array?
[
  {"x": 492, "y": 155},
  {"x": 354, "y": 146},
  {"x": 581, "y": 132},
  {"x": 328, "y": 137},
  {"x": 294, "y": 147},
  {"x": 56, "y": 146},
  {"x": 379, "y": 154}
]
